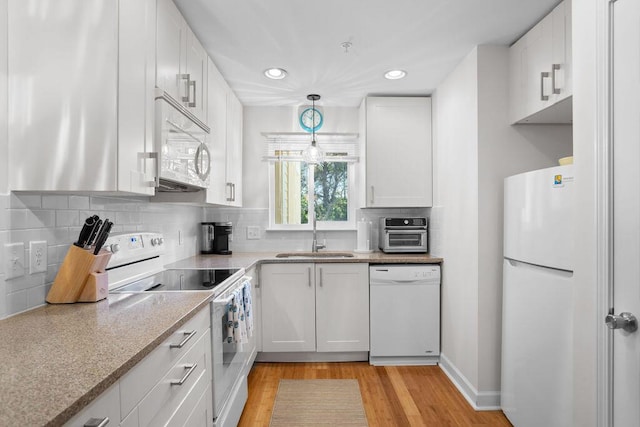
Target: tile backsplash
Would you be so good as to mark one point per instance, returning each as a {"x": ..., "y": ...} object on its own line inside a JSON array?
[
  {"x": 271, "y": 240},
  {"x": 57, "y": 219}
]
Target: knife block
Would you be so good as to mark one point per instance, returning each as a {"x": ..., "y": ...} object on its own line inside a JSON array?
[{"x": 81, "y": 277}]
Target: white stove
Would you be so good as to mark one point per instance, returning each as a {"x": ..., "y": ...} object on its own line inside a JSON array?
[{"x": 136, "y": 266}]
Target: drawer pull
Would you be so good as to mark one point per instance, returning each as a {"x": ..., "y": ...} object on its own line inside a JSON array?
[
  {"x": 97, "y": 422},
  {"x": 190, "y": 368},
  {"x": 187, "y": 337}
]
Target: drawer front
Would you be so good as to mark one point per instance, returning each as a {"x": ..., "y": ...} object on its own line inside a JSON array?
[
  {"x": 107, "y": 405},
  {"x": 202, "y": 414},
  {"x": 146, "y": 374},
  {"x": 165, "y": 399}
]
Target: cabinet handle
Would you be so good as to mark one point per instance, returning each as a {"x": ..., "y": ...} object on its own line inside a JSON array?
[
  {"x": 192, "y": 84},
  {"x": 233, "y": 187},
  {"x": 190, "y": 369},
  {"x": 320, "y": 274},
  {"x": 156, "y": 177},
  {"x": 229, "y": 198},
  {"x": 97, "y": 422},
  {"x": 309, "y": 275},
  {"x": 187, "y": 337},
  {"x": 554, "y": 68},
  {"x": 543, "y": 75},
  {"x": 187, "y": 78},
  {"x": 203, "y": 167},
  {"x": 372, "y": 195}
]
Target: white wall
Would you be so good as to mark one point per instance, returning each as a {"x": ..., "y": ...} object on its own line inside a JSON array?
[
  {"x": 255, "y": 210},
  {"x": 279, "y": 119},
  {"x": 455, "y": 213},
  {"x": 4, "y": 144},
  {"x": 475, "y": 149},
  {"x": 586, "y": 318}
]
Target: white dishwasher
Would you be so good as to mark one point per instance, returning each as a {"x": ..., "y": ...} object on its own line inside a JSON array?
[{"x": 404, "y": 314}]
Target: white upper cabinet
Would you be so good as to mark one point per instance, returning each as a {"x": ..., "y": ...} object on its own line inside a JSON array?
[
  {"x": 181, "y": 67},
  {"x": 397, "y": 164},
  {"x": 80, "y": 96},
  {"x": 234, "y": 151},
  {"x": 540, "y": 71},
  {"x": 226, "y": 120}
]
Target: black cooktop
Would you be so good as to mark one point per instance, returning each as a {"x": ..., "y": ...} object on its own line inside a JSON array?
[{"x": 180, "y": 280}]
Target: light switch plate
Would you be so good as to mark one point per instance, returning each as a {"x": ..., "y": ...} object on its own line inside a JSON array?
[
  {"x": 14, "y": 260},
  {"x": 37, "y": 256},
  {"x": 253, "y": 232}
]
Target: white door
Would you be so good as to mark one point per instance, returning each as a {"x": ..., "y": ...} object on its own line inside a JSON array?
[{"x": 626, "y": 205}]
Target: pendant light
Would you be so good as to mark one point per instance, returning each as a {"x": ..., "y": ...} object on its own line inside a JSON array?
[{"x": 313, "y": 154}]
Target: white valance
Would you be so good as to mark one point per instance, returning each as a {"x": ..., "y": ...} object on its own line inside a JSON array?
[{"x": 288, "y": 146}]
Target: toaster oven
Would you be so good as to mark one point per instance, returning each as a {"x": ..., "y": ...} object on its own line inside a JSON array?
[{"x": 403, "y": 235}]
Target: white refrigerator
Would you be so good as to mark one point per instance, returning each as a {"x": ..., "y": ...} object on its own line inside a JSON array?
[{"x": 537, "y": 298}]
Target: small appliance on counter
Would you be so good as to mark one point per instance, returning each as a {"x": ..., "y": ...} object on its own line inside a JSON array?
[
  {"x": 216, "y": 238},
  {"x": 403, "y": 235}
]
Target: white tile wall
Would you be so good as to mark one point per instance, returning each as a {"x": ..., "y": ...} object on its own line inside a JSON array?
[
  {"x": 57, "y": 219},
  {"x": 297, "y": 240}
]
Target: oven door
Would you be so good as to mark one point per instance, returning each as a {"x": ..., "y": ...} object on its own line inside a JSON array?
[
  {"x": 406, "y": 240},
  {"x": 185, "y": 160},
  {"x": 229, "y": 357}
]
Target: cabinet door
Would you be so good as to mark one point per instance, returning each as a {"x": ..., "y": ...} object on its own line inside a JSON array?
[
  {"x": 288, "y": 307},
  {"x": 561, "y": 52},
  {"x": 398, "y": 152},
  {"x": 538, "y": 66},
  {"x": 196, "y": 70},
  {"x": 171, "y": 49},
  {"x": 217, "y": 119},
  {"x": 62, "y": 96},
  {"x": 342, "y": 307},
  {"x": 234, "y": 150}
]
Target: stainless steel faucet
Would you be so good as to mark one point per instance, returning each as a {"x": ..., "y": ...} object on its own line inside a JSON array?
[{"x": 314, "y": 244}]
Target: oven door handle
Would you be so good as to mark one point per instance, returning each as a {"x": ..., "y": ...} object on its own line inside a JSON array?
[{"x": 226, "y": 300}]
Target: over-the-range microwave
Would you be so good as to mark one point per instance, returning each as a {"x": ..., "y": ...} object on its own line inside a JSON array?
[{"x": 184, "y": 160}]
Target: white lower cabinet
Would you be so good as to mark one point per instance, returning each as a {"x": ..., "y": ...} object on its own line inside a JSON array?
[
  {"x": 106, "y": 406},
  {"x": 171, "y": 386},
  {"x": 315, "y": 307}
]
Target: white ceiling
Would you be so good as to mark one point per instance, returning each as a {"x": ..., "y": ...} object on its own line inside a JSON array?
[{"x": 427, "y": 38}]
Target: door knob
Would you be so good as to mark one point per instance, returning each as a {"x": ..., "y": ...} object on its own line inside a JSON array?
[{"x": 626, "y": 321}]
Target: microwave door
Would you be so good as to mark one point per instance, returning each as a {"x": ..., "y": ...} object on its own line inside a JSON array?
[
  {"x": 185, "y": 160},
  {"x": 185, "y": 156}
]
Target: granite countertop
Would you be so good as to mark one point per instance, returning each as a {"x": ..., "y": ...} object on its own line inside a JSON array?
[
  {"x": 247, "y": 260},
  {"x": 57, "y": 358}
]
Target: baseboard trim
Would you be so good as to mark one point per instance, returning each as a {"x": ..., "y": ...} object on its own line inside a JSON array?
[
  {"x": 480, "y": 401},
  {"x": 312, "y": 356}
]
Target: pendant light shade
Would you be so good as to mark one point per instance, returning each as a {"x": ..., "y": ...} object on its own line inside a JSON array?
[{"x": 313, "y": 154}]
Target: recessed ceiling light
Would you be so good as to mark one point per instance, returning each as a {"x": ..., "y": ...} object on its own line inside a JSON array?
[
  {"x": 275, "y": 73},
  {"x": 395, "y": 74}
]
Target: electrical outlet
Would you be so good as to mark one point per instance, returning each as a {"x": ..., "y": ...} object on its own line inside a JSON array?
[
  {"x": 253, "y": 233},
  {"x": 37, "y": 257},
  {"x": 14, "y": 260}
]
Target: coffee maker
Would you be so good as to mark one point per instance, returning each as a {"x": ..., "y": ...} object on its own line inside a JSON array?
[{"x": 216, "y": 238}]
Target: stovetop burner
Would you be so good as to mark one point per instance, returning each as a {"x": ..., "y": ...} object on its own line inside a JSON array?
[{"x": 180, "y": 280}]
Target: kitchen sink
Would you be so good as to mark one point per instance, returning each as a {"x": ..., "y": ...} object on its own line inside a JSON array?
[{"x": 314, "y": 255}]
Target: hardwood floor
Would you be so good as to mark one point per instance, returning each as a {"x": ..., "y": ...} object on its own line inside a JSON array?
[{"x": 392, "y": 395}]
